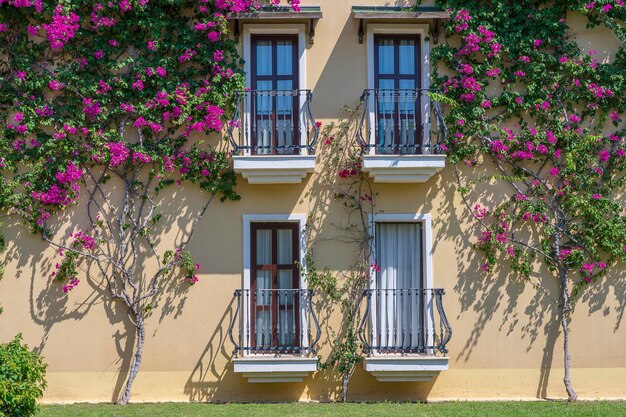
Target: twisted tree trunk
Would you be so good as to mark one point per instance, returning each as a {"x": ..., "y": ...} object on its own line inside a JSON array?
[
  {"x": 566, "y": 309},
  {"x": 136, "y": 362},
  {"x": 344, "y": 386}
]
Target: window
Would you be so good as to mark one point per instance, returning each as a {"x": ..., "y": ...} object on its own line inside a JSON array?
[
  {"x": 273, "y": 131},
  {"x": 399, "y": 295},
  {"x": 275, "y": 100},
  {"x": 397, "y": 96},
  {"x": 401, "y": 304},
  {"x": 274, "y": 286}
]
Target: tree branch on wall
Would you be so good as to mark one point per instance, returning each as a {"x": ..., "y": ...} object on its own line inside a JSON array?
[
  {"x": 102, "y": 107},
  {"x": 540, "y": 121}
]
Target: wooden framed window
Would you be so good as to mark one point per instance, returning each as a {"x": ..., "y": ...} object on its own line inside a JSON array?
[
  {"x": 397, "y": 75},
  {"x": 275, "y": 279},
  {"x": 275, "y": 102}
]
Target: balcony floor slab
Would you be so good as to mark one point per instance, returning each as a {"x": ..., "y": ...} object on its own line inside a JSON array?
[
  {"x": 405, "y": 368},
  {"x": 266, "y": 369},
  {"x": 403, "y": 168},
  {"x": 274, "y": 169}
]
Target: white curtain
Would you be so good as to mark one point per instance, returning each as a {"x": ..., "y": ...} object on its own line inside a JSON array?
[
  {"x": 286, "y": 312},
  {"x": 397, "y": 296},
  {"x": 263, "y": 331}
]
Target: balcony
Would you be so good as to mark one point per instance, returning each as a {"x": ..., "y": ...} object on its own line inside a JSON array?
[
  {"x": 395, "y": 136},
  {"x": 272, "y": 330},
  {"x": 404, "y": 333},
  {"x": 273, "y": 135}
]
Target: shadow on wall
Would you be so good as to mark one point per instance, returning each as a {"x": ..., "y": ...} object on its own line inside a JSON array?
[
  {"x": 485, "y": 297},
  {"x": 206, "y": 379},
  {"x": 208, "y": 383},
  {"x": 49, "y": 306}
]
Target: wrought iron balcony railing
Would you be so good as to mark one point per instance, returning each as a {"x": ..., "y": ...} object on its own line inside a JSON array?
[
  {"x": 404, "y": 321},
  {"x": 273, "y": 122},
  {"x": 274, "y": 321},
  {"x": 398, "y": 121}
]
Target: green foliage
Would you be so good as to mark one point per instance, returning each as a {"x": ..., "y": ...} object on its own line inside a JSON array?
[
  {"x": 355, "y": 409},
  {"x": 22, "y": 379},
  {"x": 527, "y": 106}
]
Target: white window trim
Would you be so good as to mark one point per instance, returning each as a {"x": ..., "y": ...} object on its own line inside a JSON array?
[
  {"x": 276, "y": 29},
  {"x": 427, "y": 267},
  {"x": 248, "y": 219},
  {"x": 398, "y": 29}
]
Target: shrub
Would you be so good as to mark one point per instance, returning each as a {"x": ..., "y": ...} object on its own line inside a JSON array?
[{"x": 22, "y": 382}]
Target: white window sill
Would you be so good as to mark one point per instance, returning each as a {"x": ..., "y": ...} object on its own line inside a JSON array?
[
  {"x": 403, "y": 168},
  {"x": 274, "y": 169},
  {"x": 401, "y": 368},
  {"x": 266, "y": 368}
]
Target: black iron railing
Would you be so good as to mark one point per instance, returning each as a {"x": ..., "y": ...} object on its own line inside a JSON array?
[
  {"x": 404, "y": 321},
  {"x": 274, "y": 321},
  {"x": 273, "y": 122},
  {"x": 397, "y": 122}
]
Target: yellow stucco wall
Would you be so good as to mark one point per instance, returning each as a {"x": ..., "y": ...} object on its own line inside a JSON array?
[{"x": 506, "y": 341}]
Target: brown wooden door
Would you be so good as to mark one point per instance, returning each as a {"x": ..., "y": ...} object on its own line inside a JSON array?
[
  {"x": 275, "y": 103},
  {"x": 274, "y": 300},
  {"x": 397, "y": 76}
]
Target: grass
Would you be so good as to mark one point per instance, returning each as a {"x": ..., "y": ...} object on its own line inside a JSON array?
[{"x": 449, "y": 409}]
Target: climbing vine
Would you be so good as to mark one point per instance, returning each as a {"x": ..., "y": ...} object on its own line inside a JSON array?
[
  {"x": 532, "y": 109},
  {"x": 348, "y": 186},
  {"x": 103, "y": 105}
]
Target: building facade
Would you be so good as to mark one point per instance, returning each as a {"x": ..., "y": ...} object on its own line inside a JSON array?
[{"x": 434, "y": 327}]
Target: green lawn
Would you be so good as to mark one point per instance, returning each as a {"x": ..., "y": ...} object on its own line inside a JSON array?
[{"x": 456, "y": 409}]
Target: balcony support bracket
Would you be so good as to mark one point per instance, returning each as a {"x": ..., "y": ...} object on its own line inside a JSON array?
[
  {"x": 361, "y": 31},
  {"x": 236, "y": 32},
  {"x": 312, "y": 24}
]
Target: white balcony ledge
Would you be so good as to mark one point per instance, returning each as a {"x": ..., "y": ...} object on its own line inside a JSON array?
[
  {"x": 403, "y": 168},
  {"x": 274, "y": 169},
  {"x": 264, "y": 369},
  {"x": 405, "y": 368}
]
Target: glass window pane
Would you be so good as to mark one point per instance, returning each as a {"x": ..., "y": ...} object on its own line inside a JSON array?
[
  {"x": 264, "y": 58},
  {"x": 285, "y": 279},
  {"x": 263, "y": 287},
  {"x": 407, "y": 56},
  {"x": 398, "y": 255},
  {"x": 263, "y": 247},
  {"x": 408, "y": 97},
  {"x": 264, "y": 101},
  {"x": 285, "y": 247},
  {"x": 284, "y": 98},
  {"x": 284, "y": 58},
  {"x": 385, "y": 56},
  {"x": 263, "y": 329},
  {"x": 399, "y": 299},
  {"x": 287, "y": 327}
]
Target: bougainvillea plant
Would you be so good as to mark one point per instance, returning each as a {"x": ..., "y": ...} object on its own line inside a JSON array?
[
  {"x": 102, "y": 106},
  {"x": 547, "y": 117}
]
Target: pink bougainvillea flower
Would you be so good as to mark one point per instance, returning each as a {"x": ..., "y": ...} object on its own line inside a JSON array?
[{"x": 62, "y": 28}]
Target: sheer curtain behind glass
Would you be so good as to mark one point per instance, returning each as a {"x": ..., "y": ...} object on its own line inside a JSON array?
[
  {"x": 275, "y": 300},
  {"x": 274, "y": 120},
  {"x": 286, "y": 312},
  {"x": 397, "y": 82},
  {"x": 263, "y": 296},
  {"x": 398, "y": 299}
]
